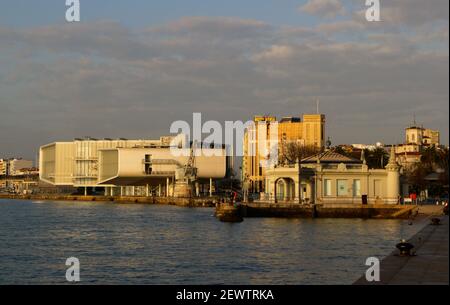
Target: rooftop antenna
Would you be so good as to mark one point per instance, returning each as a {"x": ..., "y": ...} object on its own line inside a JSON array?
[
  {"x": 414, "y": 119},
  {"x": 317, "y": 105}
]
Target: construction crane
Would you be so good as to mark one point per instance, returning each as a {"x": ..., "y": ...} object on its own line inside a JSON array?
[{"x": 190, "y": 171}]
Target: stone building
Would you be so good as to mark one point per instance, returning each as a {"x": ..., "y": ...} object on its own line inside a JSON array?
[
  {"x": 330, "y": 177},
  {"x": 417, "y": 139}
]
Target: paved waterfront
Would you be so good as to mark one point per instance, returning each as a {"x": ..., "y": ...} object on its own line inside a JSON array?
[{"x": 428, "y": 267}]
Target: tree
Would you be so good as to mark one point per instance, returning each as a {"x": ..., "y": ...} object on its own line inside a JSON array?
[
  {"x": 340, "y": 150},
  {"x": 377, "y": 158},
  {"x": 417, "y": 177},
  {"x": 430, "y": 157},
  {"x": 442, "y": 162},
  {"x": 293, "y": 151}
]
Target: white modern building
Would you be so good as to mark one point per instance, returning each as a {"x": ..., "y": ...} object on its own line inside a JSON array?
[{"x": 131, "y": 166}]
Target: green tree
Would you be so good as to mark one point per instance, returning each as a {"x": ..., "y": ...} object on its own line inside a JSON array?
[
  {"x": 340, "y": 150},
  {"x": 432, "y": 159},
  {"x": 442, "y": 162},
  {"x": 377, "y": 158}
]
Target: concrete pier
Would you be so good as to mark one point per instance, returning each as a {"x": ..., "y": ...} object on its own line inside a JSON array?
[
  {"x": 184, "y": 202},
  {"x": 381, "y": 211},
  {"x": 429, "y": 266}
]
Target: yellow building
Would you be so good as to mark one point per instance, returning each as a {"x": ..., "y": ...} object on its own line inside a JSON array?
[
  {"x": 268, "y": 138},
  {"x": 2, "y": 167},
  {"x": 431, "y": 137}
]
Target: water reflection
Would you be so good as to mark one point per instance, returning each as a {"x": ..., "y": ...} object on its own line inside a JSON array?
[{"x": 150, "y": 244}]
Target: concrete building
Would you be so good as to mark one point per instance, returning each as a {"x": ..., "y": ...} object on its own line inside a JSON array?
[
  {"x": 160, "y": 171},
  {"x": 131, "y": 167},
  {"x": 330, "y": 177},
  {"x": 368, "y": 146},
  {"x": 17, "y": 175},
  {"x": 308, "y": 130},
  {"x": 76, "y": 163},
  {"x": 15, "y": 166}
]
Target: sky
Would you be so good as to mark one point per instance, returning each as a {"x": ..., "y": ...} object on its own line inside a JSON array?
[{"x": 131, "y": 68}]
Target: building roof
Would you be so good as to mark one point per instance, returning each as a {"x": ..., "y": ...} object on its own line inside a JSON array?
[
  {"x": 330, "y": 156},
  {"x": 432, "y": 177}
]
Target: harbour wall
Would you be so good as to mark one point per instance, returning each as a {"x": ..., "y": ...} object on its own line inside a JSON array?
[
  {"x": 381, "y": 211},
  {"x": 184, "y": 202}
]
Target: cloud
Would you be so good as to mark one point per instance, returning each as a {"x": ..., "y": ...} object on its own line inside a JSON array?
[
  {"x": 323, "y": 8},
  {"x": 105, "y": 39},
  {"x": 341, "y": 26},
  {"x": 106, "y": 80},
  {"x": 216, "y": 25},
  {"x": 414, "y": 12},
  {"x": 274, "y": 52}
]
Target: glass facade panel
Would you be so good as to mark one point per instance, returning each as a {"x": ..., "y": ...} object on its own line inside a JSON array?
[
  {"x": 356, "y": 188},
  {"x": 342, "y": 187}
]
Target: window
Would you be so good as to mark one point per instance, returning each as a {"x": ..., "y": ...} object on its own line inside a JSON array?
[
  {"x": 148, "y": 164},
  {"x": 342, "y": 188},
  {"x": 377, "y": 188},
  {"x": 356, "y": 188},
  {"x": 327, "y": 187}
]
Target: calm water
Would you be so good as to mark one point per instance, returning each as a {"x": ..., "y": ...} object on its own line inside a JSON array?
[{"x": 150, "y": 244}]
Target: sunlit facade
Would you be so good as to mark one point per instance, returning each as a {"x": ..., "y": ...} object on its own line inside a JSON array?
[
  {"x": 107, "y": 163},
  {"x": 308, "y": 130}
]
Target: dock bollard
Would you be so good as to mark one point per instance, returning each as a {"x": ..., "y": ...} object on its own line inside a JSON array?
[{"x": 404, "y": 248}]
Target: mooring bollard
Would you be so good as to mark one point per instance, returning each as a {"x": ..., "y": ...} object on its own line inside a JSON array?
[{"x": 404, "y": 248}]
